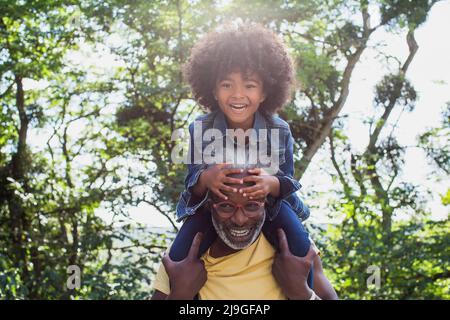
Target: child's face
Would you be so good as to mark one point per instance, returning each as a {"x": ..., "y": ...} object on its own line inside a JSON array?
[{"x": 239, "y": 97}]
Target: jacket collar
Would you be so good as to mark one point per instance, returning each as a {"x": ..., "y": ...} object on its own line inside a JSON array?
[{"x": 221, "y": 123}]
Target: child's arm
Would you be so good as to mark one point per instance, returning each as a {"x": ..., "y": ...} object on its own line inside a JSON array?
[
  {"x": 200, "y": 188},
  {"x": 281, "y": 186},
  {"x": 288, "y": 184},
  {"x": 189, "y": 200},
  {"x": 286, "y": 173},
  {"x": 201, "y": 178}
]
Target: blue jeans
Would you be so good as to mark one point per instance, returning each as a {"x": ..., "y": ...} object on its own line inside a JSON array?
[{"x": 297, "y": 237}]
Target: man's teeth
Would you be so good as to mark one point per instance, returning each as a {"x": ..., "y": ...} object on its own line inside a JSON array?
[{"x": 239, "y": 233}]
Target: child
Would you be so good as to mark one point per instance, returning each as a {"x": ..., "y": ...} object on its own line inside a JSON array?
[{"x": 242, "y": 74}]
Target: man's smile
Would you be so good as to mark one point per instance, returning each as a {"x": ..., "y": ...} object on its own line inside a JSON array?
[{"x": 240, "y": 234}]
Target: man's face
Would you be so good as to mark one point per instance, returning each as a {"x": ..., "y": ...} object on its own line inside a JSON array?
[
  {"x": 239, "y": 230},
  {"x": 239, "y": 96}
]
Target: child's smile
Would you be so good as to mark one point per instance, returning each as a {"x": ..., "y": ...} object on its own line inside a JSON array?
[
  {"x": 238, "y": 108},
  {"x": 239, "y": 97}
]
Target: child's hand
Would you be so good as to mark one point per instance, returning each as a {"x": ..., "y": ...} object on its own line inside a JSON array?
[
  {"x": 215, "y": 178},
  {"x": 265, "y": 184}
]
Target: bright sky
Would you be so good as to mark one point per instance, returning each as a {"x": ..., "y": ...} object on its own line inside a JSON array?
[{"x": 430, "y": 75}]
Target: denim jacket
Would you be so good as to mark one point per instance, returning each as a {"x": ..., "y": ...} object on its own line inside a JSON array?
[{"x": 188, "y": 203}]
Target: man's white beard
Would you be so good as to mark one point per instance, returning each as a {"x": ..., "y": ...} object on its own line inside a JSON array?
[{"x": 238, "y": 246}]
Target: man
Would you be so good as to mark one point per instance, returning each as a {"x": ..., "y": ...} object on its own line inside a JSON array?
[{"x": 241, "y": 263}]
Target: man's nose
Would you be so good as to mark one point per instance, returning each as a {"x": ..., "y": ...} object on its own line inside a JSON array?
[{"x": 239, "y": 218}]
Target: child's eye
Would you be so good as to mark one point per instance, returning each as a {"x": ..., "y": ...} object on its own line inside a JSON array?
[
  {"x": 226, "y": 85},
  {"x": 250, "y": 86}
]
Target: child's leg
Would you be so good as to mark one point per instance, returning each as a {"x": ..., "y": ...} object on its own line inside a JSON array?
[
  {"x": 297, "y": 237},
  {"x": 199, "y": 222}
]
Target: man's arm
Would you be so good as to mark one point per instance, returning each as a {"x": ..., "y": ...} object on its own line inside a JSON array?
[
  {"x": 291, "y": 273},
  {"x": 158, "y": 295},
  {"x": 183, "y": 279},
  {"x": 322, "y": 286}
]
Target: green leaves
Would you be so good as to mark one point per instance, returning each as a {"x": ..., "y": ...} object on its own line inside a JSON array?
[
  {"x": 395, "y": 88},
  {"x": 97, "y": 142},
  {"x": 414, "y": 266},
  {"x": 435, "y": 142},
  {"x": 405, "y": 13}
]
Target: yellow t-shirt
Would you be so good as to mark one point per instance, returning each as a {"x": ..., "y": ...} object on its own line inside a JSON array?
[{"x": 243, "y": 275}]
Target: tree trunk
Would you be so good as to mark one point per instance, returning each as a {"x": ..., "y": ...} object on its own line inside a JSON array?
[{"x": 18, "y": 219}]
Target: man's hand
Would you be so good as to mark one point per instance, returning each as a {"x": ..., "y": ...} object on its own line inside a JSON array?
[
  {"x": 215, "y": 178},
  {"x": 188, "y": 276},
  {"x": 264, "y": 184},
  {"x": 291, "y": 272}
]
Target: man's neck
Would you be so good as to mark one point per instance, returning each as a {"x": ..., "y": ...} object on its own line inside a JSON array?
[{"x": 219, "y": 249}]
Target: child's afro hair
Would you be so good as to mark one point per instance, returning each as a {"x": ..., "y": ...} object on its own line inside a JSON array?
[{"x": 249, "y": 47}]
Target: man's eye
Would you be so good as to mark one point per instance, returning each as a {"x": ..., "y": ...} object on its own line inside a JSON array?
[
  {"x": 251, "y": 207},
  {"x": 226, "y": 206}
]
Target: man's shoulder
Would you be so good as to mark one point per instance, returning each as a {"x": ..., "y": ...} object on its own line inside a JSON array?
[{"x": 266, "y": 246}]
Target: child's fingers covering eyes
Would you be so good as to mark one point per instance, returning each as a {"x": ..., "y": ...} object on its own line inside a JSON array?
[
  {"x": 252, "y": 179},
  {"x": 232, "y": 180},
  {"x": 250, "y": 189},
  {"x": 255, "y": 171},
  {"x": 223, "y": 165},
  {"x": 219, "y": 194},
  {"x": 231, "y": 171},
  {"x": 227, "y": 188},
  {"x": 256, "y": 195}
]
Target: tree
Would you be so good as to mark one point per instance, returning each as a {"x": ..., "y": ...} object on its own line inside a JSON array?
[
  {"x": 33, "y": 43},
  {"x": 328, "y": 48},
  {"x": 373, "y": 193},
  {"x": 106, "y": 142},
  {"x": 47, "y": 200},
  {"x": 434, "y": 142}
]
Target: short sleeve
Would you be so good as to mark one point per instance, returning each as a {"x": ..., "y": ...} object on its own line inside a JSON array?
[
  {"x": 314, "y": 247},
  {"x": 161, "y": 282}
]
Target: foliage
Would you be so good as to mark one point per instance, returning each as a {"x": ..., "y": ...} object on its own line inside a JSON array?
[
  {"x": 414, "y": 266},
  {"x": 83, "y": 140}
]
